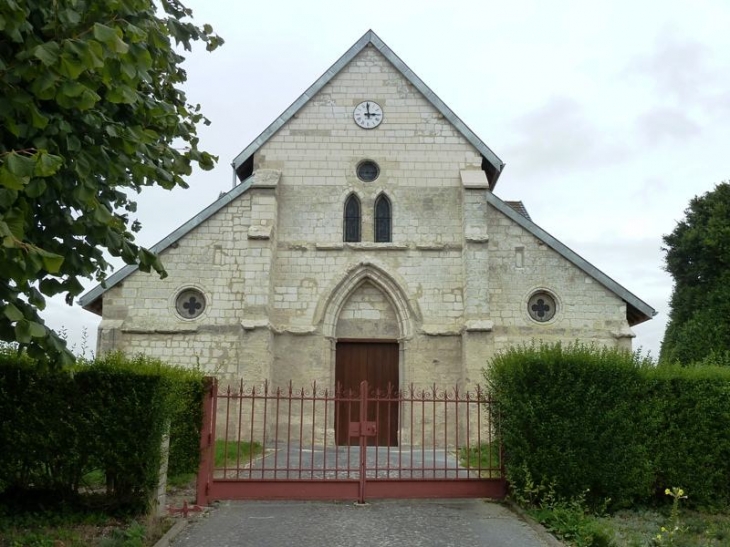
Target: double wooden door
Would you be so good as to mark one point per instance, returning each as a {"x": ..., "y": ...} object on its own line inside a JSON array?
[{"x": 377, "y": 363}]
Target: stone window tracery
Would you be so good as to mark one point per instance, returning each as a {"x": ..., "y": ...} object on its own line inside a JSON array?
[
  {"x": 190, "y": 303},
  {"x": 541, "y": 306}
]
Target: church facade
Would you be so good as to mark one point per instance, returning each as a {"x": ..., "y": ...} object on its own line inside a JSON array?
[{"x": 363, "y": 240}]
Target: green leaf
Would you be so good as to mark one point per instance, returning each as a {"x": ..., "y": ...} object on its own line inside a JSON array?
[
  {"x": 51, "y": 262},
  {"x": 35, "y": 298},
  {"x": 72, "y": 88},
  {"x": 12, "y": 312},
  {"x": 35, "y": 188},
  {"x": 111, "y": 37},
  {"x": 121, "y": 94},
  {"x": 22, "y": 331},
  {"x": 71, "y": 67},
  {"x": 36, "y": 329},
  {"x": 102, "y": 215},
  {"x": 7, "y": 195},
  {"x": 87, "y": 100},
  {"x": 39, "y": 120},
  {"x": 11, "y": 181},
  {"x": 15, "y": 221},
  {"x": 47, "y": 53},
  {"x": 47, "y": 164},
  {"x": 19, "y": 164},
  {"x": 44, "y": 86}
]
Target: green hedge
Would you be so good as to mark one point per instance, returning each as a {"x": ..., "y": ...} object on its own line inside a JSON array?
[
  {"x": 608, "y": 424},
  {"x": 109, "y": 416},
  {"x": 691, "y": 440}
]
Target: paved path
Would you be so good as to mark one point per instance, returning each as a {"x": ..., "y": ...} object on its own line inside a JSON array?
[{"x": 397, "y": 523}]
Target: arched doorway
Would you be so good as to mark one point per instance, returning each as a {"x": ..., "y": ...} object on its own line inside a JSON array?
[{"x": 367, "y": 350}]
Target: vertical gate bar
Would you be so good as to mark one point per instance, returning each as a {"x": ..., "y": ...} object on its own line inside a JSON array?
[
  {"x": 456, "y": 431},
  {"x": 490, "y": 438},
  {"x": 301, "y": 427},
  {"x": 251, "y": 430},
  {"x": 288, "y": 430},
  {"x": 433, "y": 431},
  {"x": 377, "y": 421},
  {"x": 349, "y": 419},
  {"x": 338, "y": 421},
  {"x": 468, "y": 433},
  {"x": 207, "y": 440},
  {"x": 314, "y": 418},
  {"x": 412, "y": 396},
  {"x": 363, "y": 439},
  {"x": 390, "y": 396},
  {"x": 479, "y": 425},
  {"x": 423, "y": 434},
  {"x": 276, "y": 432},
  {"x": 225, "y": 438},
  {"x": 502, "y": 470},
  {"x": 324, "y": 455},
  {"x": 263, "y": 427},
  {"x": 240, "y": 417},
  {"x": 446, "y": 432}
]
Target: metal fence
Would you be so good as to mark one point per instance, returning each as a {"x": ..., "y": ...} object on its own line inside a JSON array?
[{"x": 261, "y": 442}]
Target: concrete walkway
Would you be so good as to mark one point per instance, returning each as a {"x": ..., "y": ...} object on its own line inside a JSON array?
[{"x": 401, "y": 523}]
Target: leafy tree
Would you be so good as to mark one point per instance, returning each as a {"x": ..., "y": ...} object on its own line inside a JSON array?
[
  {"x": 698, "y": 258},
  {"x": 91, "y": 110}
]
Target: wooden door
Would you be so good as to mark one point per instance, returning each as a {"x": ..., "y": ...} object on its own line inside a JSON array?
[{"x": 376, "y": 362}]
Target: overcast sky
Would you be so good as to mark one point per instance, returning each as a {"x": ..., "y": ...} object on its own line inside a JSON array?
[{"x": 609, "y": 115}]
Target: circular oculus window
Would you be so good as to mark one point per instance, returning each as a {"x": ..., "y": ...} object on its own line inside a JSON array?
[
  {"x": 367, "y": 171},
  {"x": 541, "y": 307},
  {"x": 190, "y": 304}
]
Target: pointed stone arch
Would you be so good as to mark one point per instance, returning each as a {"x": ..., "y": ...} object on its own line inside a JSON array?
[{"x": 329, "y": 308}]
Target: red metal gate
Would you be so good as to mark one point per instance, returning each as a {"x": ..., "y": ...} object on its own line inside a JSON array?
[{"x": 264, "y": 442}]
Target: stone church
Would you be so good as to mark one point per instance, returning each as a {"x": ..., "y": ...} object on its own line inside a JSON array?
[{"x": 363, "y": 240}]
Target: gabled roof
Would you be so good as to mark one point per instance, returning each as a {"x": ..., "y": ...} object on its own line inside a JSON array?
[
  {"x": 637, "y": 311},
  {"x": 490, "y": 163}
]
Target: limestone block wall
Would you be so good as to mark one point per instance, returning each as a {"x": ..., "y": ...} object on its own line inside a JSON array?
[
  {"x": 521, "y": 264},
  {"x": 139, "y": 314},
  {"x": 419, "y": 154}
]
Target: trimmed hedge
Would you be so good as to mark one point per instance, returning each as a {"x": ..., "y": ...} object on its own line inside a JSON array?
[
  {"x": 109, "y": 415},
  {"x": 608, "y": 424},
  {"x": 691, "y": 442}
]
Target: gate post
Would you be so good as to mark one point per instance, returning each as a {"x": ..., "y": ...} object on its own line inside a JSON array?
[{"x": 207, "y": 442}]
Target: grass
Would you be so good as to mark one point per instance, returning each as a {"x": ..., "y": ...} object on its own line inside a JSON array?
[
  {"x": 576, "y": 526},
  {"x": 639, "y": 528},
  {"x": 484, "y": 457},
  {"x": 66, "y": 526},
  {"x": 227, "y": 454}
]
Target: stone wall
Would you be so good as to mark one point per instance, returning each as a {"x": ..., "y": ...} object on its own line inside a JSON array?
[{"x": 281, "y": 285}]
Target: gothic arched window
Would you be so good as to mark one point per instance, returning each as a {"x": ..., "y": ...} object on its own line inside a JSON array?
[
  {"x": 351, "y": 224},
  {"x": 382, "y": 219}
]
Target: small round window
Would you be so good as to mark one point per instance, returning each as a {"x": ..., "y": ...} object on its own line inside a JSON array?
[
  {"x": 368, "y": 171},
  {"x": 190, "y": 303},
  {"x": 541, "y": 306}
]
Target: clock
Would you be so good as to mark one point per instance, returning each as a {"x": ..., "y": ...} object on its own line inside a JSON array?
[{"x": 368, "y": 114}]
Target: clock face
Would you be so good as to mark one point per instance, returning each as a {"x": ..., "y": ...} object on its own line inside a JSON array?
[{"x": 368, "y": 114}]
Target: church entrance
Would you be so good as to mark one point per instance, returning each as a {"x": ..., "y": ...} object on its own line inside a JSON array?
[{"x": 376, "y": 362}]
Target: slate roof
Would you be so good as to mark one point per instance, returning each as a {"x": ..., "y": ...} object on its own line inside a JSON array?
[{"x": 520, "y": 208}]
